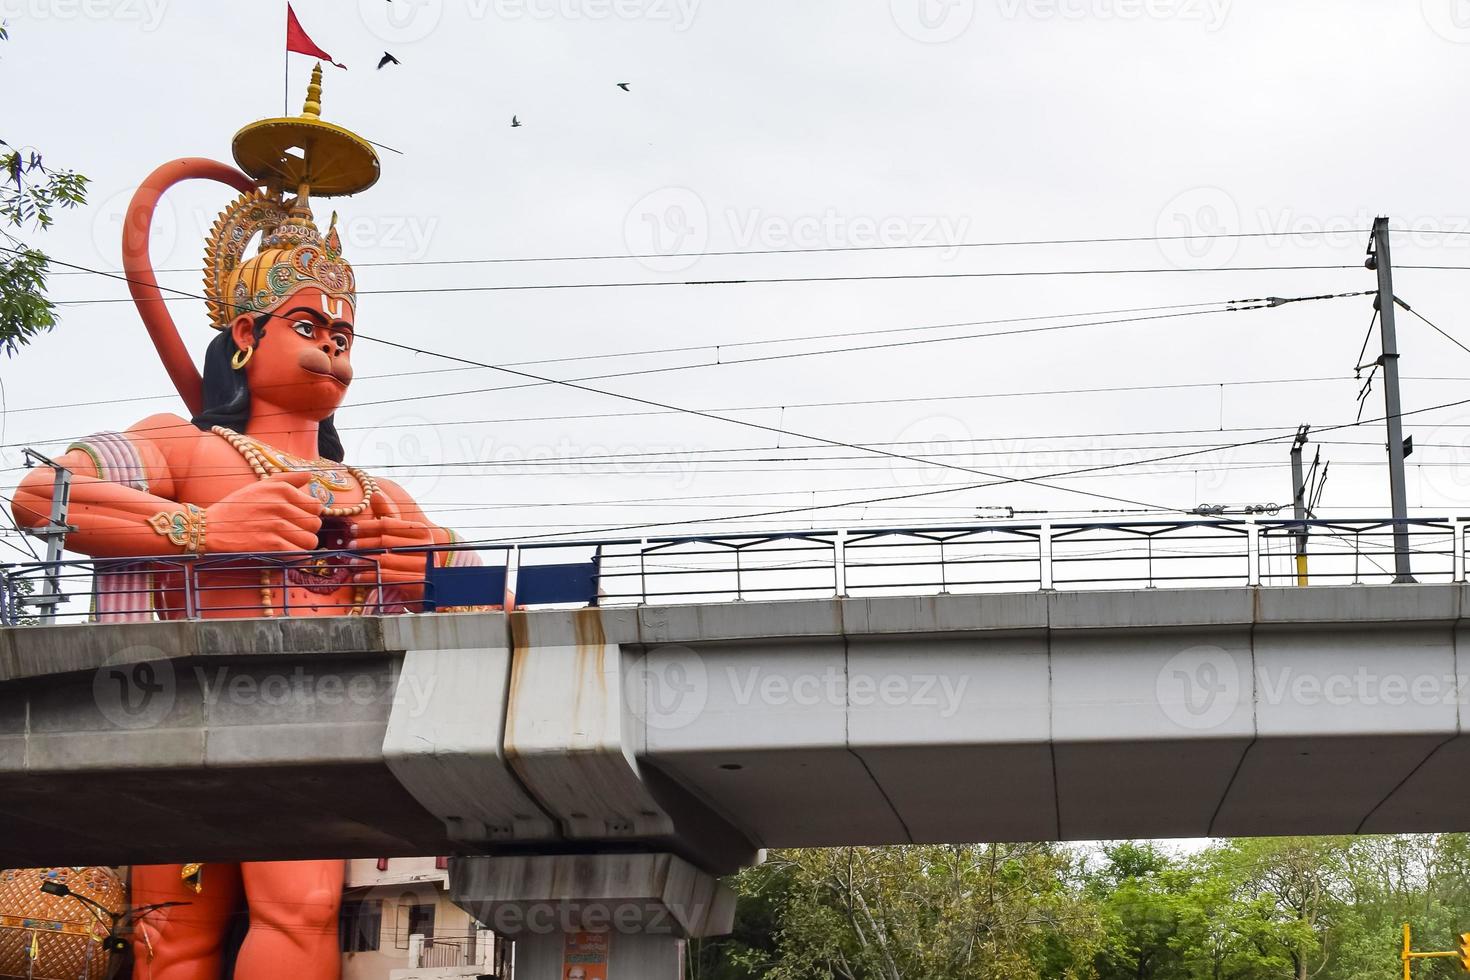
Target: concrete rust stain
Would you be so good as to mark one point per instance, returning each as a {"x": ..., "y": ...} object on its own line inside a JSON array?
[
  {"x": 520, "y": 645},
  {"x": 589, "y": 627},
  {"x": 591, "y": 651}
]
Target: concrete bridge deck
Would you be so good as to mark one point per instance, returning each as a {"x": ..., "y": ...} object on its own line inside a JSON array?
[{"x": 714, "y": 730}]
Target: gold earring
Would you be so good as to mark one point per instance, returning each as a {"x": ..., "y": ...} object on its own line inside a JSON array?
[{"x": 241, "y": 358}]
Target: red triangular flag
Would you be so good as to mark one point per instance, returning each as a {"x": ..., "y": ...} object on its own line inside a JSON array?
[{"x": 296, "y": 39}]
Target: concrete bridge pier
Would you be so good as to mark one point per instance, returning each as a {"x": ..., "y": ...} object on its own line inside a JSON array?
[{"x": 613, "y": 916}]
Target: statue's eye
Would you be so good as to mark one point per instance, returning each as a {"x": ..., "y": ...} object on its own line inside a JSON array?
[
  {"x": 306, "y": 329},
  {"x": 341, "y": 342}
]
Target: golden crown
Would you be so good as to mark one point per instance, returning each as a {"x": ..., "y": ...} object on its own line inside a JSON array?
[
  {"x": 310, "y": 156},
  {"x": 293, "y": 253}
]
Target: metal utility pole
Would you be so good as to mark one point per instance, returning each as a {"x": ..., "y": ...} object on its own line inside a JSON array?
[
  {"x": 1379, "y": 261},
  {"x": 55, "y": 534},
  {"x": 1299, "y": 503},
  {"x": 1408, "y": 956}
]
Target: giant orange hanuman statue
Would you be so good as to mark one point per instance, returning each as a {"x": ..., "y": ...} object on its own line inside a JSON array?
[{"x": 257, "y": 469}]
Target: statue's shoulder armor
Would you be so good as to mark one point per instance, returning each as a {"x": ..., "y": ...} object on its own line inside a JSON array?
[{"x": 133, "y": 458}]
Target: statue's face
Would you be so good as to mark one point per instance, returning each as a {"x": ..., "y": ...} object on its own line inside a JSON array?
[{"x": 303, "y": 361}]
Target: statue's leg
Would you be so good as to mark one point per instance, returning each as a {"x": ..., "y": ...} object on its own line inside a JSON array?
[
  {"x": 185, "y": 942},
  {"x": 293, "y": 920}
]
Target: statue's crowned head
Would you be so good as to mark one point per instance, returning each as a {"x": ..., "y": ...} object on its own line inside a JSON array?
[
  {"x": 286, "y": 313},
  {"x": 308, "y": 156}
]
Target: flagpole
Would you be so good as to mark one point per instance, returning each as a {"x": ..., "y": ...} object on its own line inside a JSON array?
[{"x": 286, "y": 94}]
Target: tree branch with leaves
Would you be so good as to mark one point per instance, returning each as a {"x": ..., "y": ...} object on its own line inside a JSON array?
[{"x": 30, "y": 196}]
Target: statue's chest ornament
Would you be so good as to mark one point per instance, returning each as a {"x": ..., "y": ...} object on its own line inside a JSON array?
[
  {"x": 324, "y": 575},
  {"x": 328, "y": 478}
]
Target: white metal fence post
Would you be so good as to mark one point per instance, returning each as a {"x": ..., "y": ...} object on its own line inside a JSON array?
[
  {"x": 1043, "y": 542},
  {"x": 1457, "y": 542},
  {"x": 839, "y": 564},
  {"x": 1252, "y": 553}
]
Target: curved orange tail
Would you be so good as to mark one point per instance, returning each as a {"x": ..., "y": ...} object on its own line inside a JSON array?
[{"x": 138, "y": 267}]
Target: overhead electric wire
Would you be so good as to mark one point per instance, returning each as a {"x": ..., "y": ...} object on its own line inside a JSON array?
[
  {"x": 1373, "y": 320},
  {"x": 516, "y": 372},
  {"x": 665, "y": 369},
  {"x": 652, "y": 403},
  {"x": 980, "y": 486},
  {"x": 777, "y": 280},
  {"x": 557, "y": 469},
  {"x": 1231, "y": 306},
  {"x": 701, "y": 458},
  {"x": 1045, "y": 392},
  {"x": 695, "y": 347},
  {"x": 1317, "y": 494},
  {"x": 1255, "y": 304},
  {"x": 1442, "y": 332},
  {"x": 844, "y": 403},
  {"x": 742, "y": 422},
  {"x": 821, "y": 250},
  {"x": 666, "y": 406},
  {"x": 452, "y": 505}
]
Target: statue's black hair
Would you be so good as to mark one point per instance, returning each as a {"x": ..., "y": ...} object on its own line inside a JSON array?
[{"x": 227, "y": 397}]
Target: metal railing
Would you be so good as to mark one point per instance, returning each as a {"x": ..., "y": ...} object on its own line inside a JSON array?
[
  {"x": 442, "y": 953},
  {"x": 184, "y": 587},
  {"x": 1019, "y": 558},
  {"x": 983, "y": 558}
]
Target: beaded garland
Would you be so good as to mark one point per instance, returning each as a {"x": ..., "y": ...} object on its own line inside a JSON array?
[{"x": 326, "y": 477}]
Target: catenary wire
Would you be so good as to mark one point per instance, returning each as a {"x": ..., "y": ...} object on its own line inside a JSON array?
[
  {"x": 786, "y": 280},
  {"x": 687, "y": 348},
  {"x": 908, "y": 246},
  {"x": 1045, "y": 392},
  {"x": 978, "y": 486}
]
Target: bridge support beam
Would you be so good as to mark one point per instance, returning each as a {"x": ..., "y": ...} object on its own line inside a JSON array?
[{"x": 629, "y": 913}]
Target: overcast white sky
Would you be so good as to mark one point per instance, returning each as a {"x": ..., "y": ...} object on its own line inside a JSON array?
[{"x": 764, "y": 125}]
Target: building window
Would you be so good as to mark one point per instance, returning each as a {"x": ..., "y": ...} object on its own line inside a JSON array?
[
  {"x": 421, "y": 921},
  {"x": 359, "y": 926}
]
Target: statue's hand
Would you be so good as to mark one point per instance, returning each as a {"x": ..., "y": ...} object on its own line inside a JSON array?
[
  {"x": 386, "y": 529},
  {"x": 275, "y": 514}
]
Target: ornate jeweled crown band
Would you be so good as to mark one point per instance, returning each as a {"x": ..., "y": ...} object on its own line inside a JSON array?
[{"x": 293, "y": 253}]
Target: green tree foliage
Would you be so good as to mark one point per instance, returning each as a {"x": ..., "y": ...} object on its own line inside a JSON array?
[
  {"x": 30, "y": 195},
  {"x": 914, "y": 913},
  {"x": 1295, "y": 908},
  {"x": 1142, "y": 899}
]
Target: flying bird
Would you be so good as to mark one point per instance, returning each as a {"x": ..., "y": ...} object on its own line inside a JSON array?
[
  {"x": 623, "y": 86},
  {"x": 387, "y": 58},
  {"x": 515, "y": 122}
]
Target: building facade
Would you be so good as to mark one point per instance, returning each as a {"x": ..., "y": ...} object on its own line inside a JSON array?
[{"x": 399, "y": 924}]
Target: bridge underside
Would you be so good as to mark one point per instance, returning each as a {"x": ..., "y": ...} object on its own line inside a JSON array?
[{"x": 712, "y": 731}]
